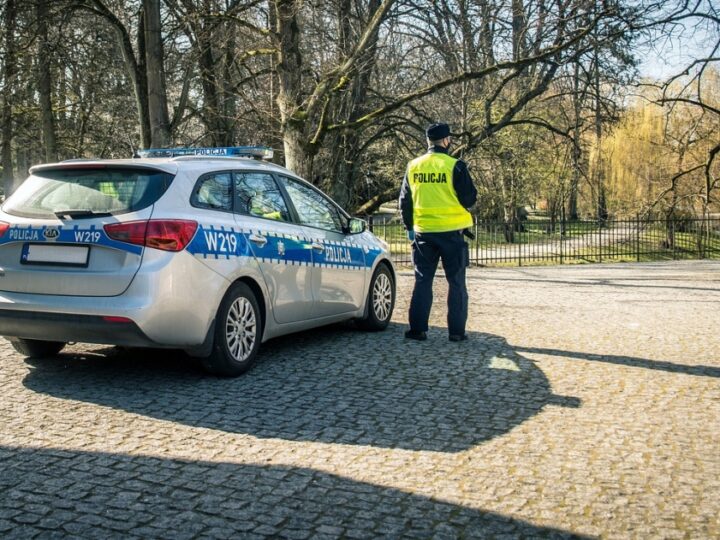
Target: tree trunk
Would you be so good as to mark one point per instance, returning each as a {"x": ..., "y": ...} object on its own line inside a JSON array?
[
  {"x": 487, "y": 38},
  {"x": 519, "y": 29},
  {"x": 211, "y": 99},
  {"x": 141, "y": 86},
  {"x": 343, "y": 175},
  {"x": 9, "y": 73},
  {"x": 160, "y": 136},
  {"x": 298, "y": 156},
  {"x": 61, "y": 98},
  {"x": 305, "y": 118},
  {"x": 229, "y": 100},
  {"x": 45, "y": 82},
  {"x": 214, "y": 42},
  {"x": 670, "y": 229},
  {"x": 576, "y": 151},
  {"x": 135, "y": 68},
  {"x": 345, "y": 152},
  {"x": 602, "y": 211},
  {"x": 509, "y": 202}
]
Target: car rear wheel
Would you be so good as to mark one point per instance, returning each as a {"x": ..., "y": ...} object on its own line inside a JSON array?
[
  {"x": 380, "y": 302},
  {"x": 238, "y": 331},
  {"x": 35, "y": 348}
]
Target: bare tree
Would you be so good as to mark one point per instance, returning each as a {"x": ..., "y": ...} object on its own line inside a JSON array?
[
  {"x": 44, "y": 78},
  {"x": 687, "y": 85},
  {"x": 160, "y": 135},
  {"x": 9, "y": 74}
]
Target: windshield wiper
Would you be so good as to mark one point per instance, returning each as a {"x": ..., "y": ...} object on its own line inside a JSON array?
[{"x": 73, "y": 214}]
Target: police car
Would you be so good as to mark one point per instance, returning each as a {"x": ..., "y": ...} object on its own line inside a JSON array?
[{"x": 210, "y": 250}]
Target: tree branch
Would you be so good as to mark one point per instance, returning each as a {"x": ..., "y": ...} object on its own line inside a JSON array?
[
  {"x": 704, "y": 106},
  {"x": 338, "y": 78},
  {"x": 376, "y": 202},
  {"x": 469, "y": 76}
]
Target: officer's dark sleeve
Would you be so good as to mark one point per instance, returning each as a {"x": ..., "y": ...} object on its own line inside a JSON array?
[
  {"x": 406, "y": 204},
  {"x": 463, "y": 184}
]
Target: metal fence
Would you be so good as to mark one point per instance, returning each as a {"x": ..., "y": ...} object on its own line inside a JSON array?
[{"x": 535, "y": 242}]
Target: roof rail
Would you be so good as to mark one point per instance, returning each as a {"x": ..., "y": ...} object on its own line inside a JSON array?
[{"x": 255, "y": 152}]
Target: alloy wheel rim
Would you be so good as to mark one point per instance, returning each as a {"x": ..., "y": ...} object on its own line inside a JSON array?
[
  {"x": 382, "y": 297},
  {"x": 241, "y": 329}
]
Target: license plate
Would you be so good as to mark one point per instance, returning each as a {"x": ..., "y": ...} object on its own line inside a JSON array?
[{"x": 55, "y": 254}]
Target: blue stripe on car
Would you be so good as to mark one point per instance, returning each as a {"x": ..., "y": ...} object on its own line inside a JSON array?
[
  {"x": 92, "y": 235},
  {"x": 211, "y": 242}
]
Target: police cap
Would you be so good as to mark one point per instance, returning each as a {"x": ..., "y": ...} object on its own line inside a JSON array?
[{"x": 436, "y": 132}]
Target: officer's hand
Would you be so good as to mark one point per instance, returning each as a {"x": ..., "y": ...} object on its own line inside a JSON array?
[{"x": 411, "y": 235}]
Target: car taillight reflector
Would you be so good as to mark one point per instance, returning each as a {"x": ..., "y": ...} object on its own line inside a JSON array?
[
  {"x": 3, "y": 228},
  {"x": 165, "y": 234}
]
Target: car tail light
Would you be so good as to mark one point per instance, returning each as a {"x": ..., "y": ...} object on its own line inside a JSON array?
[
  {"x": 118, "y": 320},
  {"x": 165, "y": 234},
  {"x": 132, "y": 232},
  {"x": 3, "y": 228}
]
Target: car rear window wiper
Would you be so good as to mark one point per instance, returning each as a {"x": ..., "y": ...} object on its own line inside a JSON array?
[{"x": 72, "y": 214}]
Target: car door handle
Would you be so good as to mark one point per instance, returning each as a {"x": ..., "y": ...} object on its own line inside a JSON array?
[
  {"x": 317, "y": 246},
  {"x": 257, "y": 239}
]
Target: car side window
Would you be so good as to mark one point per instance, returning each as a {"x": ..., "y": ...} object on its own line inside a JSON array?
[
  {"x": 214, "y": 191},
  {"x": 314, "y": 209},
  {"x": 257, "y": 194}
]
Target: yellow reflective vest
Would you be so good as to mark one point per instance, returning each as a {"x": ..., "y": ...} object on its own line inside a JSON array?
[{"x": 436, "y": 207}]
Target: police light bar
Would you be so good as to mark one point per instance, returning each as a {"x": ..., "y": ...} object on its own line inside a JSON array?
[{"x": 257, "y": 152}]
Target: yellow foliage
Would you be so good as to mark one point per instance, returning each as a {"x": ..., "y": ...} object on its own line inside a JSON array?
[{"x": 639, "y": 161}]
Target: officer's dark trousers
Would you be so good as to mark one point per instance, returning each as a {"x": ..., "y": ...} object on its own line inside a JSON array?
[{"x": 427, "y": 250}]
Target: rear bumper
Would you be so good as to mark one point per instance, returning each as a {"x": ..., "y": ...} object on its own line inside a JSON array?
[
  {"x": 164, "y": 302},
  {"x": 67, "y": 327}
]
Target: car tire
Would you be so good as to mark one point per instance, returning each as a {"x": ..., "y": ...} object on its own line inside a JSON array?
[
  {"x": 238, "y": 332},
  {"x": 380, "y": 301},
  {"x": 35, "y": 348}
]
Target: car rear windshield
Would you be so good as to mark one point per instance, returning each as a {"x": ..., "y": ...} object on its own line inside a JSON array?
[{"x": 87, "y": 192}]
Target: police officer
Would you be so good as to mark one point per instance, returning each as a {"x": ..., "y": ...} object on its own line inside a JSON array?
[{"x": 434, "y": 198}]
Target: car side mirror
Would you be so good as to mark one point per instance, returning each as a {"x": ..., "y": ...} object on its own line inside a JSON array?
[{"x": 357, "y": 226}]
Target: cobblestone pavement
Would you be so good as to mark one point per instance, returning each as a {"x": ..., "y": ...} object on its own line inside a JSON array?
[{"x": 586, "y": 403}]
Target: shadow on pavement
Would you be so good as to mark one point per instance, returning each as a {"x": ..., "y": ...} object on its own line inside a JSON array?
[
  {"x": 332, "y": 385},
  {"x": 636, "y": 283},
  {"x": 83, "y": 494},
  {"x": 660, "y": 365}
]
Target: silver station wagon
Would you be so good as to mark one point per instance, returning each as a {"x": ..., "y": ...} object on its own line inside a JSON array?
[{"x": 210, "y": 250}]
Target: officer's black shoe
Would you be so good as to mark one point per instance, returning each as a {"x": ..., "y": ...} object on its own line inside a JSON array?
[
  {"x": 455, "y": 337},
  {"x": 417, "y": 336}
]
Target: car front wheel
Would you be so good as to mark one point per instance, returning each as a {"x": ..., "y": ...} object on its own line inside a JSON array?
[
  {"x": 35, "y": 348},
  {"x": 380, "y": 301},
  {"x": 238, "y": 331}
]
